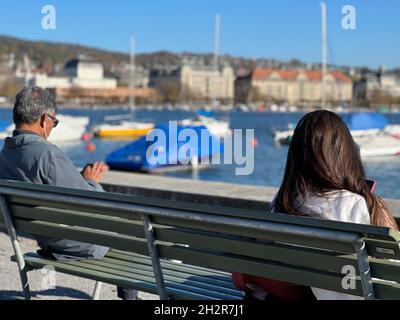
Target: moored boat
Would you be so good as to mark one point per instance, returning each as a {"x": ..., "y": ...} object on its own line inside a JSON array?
[
  {"x": 168, "y": 152},
  {"x": 70, "y": 128},
  {"x": 123, "y": 129},
  {"x": 382, "y": 145},
  {"x": 218, "y": 128}
]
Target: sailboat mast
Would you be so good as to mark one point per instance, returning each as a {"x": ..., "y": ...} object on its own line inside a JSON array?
[
  {"x": 217, "y": 44},
  {"x": 132, "y": 70},
  {"x": 324, "y": 54}
]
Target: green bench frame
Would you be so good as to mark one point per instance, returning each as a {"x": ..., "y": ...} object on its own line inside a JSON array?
[{"x": 148, "y": 234}]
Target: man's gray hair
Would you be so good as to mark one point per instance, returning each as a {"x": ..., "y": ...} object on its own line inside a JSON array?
[{"x": 32, "y": 103}]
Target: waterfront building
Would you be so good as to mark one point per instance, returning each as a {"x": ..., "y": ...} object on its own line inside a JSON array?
[
  {"x": 197, "y": 80},
  {"x": 141, "y": 76},
  {"x": 299, "y": 87},
  {"x": 80, "y": 72},
  {"x": 380, "y": 83}
]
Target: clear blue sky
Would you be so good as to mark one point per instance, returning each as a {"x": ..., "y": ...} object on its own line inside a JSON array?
[{"x": 282, "y": 29}]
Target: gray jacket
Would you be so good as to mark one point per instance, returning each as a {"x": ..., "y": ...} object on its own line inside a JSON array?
[{"x": 28, "y": 157}]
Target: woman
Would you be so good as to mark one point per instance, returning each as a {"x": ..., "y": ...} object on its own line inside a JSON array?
[{"x": 324, "y": 178}]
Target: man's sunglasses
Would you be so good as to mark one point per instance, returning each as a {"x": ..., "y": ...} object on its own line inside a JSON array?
[{"x": 54, "y": 119}]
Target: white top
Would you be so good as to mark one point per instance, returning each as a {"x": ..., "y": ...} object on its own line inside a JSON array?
[{"x": 342, "y": 206}]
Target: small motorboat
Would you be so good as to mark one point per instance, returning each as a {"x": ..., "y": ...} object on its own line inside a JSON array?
[
  {"x": 284, "y": 137},
  {"x": 125, "y": 129},
  {"x": 382, "y": 145},
  {"x": 69, "y": 129},
  {"x": 168, "y": 151},
  {"x": 216, "y": 127},
  {"x": 116, "y": 127}
]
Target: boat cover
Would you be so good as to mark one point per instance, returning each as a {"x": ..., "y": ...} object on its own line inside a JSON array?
[
  {"x": 144, "y": 155},
  {"x": 366, "y": 121}
]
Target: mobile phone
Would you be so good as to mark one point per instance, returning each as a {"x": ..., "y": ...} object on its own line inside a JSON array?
[
  {"x": 371, "y": 185},
  {"x": 89, "y": 165}
]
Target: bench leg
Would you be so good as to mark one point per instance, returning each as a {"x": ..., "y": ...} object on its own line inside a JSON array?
[
  {"x": 97, "y": 290},
  {"x": 155, "y": 258},
  {"x": 365, "y": 270},
  {"x": 25, "y": 284},
  {"x": 14, "y": 241}
]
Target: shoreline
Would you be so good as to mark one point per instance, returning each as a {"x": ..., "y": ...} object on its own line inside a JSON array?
[{"x": 161, "y": 107}]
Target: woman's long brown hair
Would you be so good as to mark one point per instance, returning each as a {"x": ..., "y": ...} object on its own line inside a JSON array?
[{"x": 324, "y": 157}]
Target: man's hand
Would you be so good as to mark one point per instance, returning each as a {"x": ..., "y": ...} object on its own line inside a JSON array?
[{"x": 95, "y": 172}]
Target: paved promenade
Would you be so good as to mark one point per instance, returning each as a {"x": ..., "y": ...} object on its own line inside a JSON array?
[{"x": 68, "y": 287}]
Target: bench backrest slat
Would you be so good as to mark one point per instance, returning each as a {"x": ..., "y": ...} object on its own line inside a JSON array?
[
  {"x": 223, "y": 211},
  {"x": 83, "y": 219}
]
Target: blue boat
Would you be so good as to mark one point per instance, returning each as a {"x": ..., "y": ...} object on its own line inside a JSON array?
[
  {"x": 4, "y": 124},
  {"x": 366, "y": 121},
  {"x": 167, "y": 148},
  {"x": 205, "y": 113}
]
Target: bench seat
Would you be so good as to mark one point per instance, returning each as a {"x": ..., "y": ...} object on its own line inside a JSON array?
[{"x": 135, "y": 271}]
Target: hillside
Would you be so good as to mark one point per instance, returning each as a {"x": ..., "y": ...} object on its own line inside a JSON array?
[
  {"x": 50, "y": 54},
  {"x": 43, "y": 53}
]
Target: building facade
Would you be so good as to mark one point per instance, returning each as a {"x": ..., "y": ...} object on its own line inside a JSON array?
[
  {"x": 378, "y": 83},
  {"x": 299, "y": 87},
  {"x": 81, "y": 72},
  {"x": 197, "y": 81},
  {"x": 140, "y": 77}
]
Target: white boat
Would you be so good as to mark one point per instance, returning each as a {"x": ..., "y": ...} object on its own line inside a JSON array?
[
  {"x": 283, "y": 137},
  {"x": 393, "y": 129},
  {"x": 216, "y": 127},
  {"x": 274, "y": 108},
  {"x": 382, "y": 145},
  {"x": 244, "y": 108},
  {"x": 3, "y": 135},
  {"x": 69, "y": 129},
  {"x": 282, "y": 108}
]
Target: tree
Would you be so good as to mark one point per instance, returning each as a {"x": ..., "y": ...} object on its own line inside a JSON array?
[
  {"x": 169, "y": 91},
  {"x": 75, "y": 93},
  {"x": 380, "y": 97},
  {"x": 10, "y": 88},
  {"x": 186, "y": 93},
  {"x": 256, "y": 95}
]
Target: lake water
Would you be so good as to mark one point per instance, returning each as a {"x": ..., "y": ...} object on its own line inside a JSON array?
[{"x": 269, "y": 159}]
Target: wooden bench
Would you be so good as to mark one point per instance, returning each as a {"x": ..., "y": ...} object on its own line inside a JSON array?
[{"x": 147, "y": 235}]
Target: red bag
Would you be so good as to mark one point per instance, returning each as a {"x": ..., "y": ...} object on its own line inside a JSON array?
[{"x": 279, "y": 289}]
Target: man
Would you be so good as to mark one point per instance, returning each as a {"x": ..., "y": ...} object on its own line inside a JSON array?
[{"x": 28, "y": 156}]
